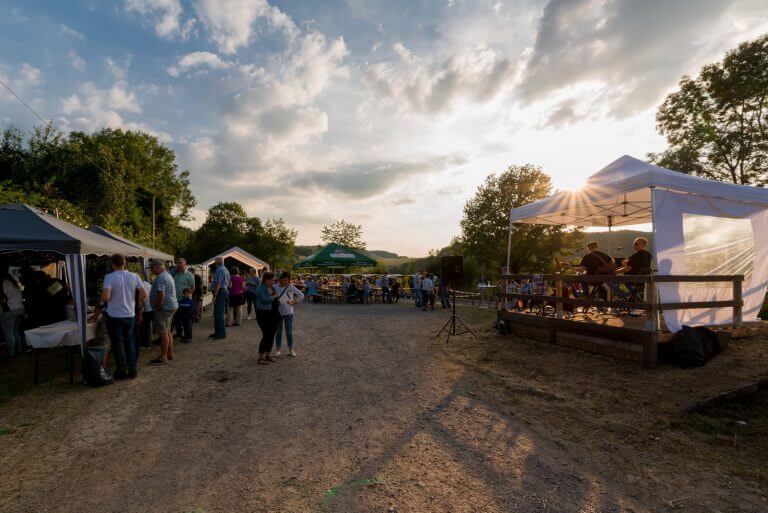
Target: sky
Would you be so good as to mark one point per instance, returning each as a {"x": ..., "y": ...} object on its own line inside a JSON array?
[{"x": 388, "y": 114}]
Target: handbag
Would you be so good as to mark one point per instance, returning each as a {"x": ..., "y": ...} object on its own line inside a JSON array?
[{"x": 276, "y": 304}]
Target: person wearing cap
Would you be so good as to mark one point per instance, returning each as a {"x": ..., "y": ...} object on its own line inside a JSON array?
[{"x": 162, "y": 295}]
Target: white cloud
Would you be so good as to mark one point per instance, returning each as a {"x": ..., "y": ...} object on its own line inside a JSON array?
[
  {"x": 69, "y": 31},
  {"x": 117, "y": 70},
  {"x": 76, "y": 61},
  {"x": 232, "y": 23},
  {"x": 93, "y": 108},
  {"x": 197, "y": 60},
  {"x": 474, "y": 75},
  {"x": 632, "y": 51},
  {"x": 29, "y": 76},
  {"x": 165, "y": 14}
]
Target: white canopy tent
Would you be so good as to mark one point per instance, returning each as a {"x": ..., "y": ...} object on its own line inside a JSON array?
[
  {"x": 240, "y": 255},
  {"x": 700, "y": 226}
]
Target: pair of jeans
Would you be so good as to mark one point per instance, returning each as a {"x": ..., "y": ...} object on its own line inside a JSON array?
[
  {"x": 250, "y": 301},
  {"x": 417, "y": 297},
  {"x": 220, "y": 312},
  {"x": 286, "y": 320},
  {"x": 428, "y": 299},
  {"x": 11, "y": 324},
  {"x": 145, "y": 329},
  {"x": 120, "y": 331},
  {"x": 444, "y": 298},
  {"x": 616, "y": 290},
  {"x": 185, "y": 328},
  {"x": 267, "y": 320}
]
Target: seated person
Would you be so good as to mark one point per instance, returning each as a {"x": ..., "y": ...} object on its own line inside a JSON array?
[
  {"x": 595, "y": 262},
  {"x": 638, "y": 263}
]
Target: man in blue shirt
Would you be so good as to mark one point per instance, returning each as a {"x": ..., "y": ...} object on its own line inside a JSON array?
[{"x": 220, "y": 290}]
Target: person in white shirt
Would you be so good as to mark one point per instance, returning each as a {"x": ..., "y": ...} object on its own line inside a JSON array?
[
  {"x": 11, "y": 313},
  {"x": 120, "y": 292},
  {"x": 288, "y": 295},
  {"x": 428, "y": 292}
]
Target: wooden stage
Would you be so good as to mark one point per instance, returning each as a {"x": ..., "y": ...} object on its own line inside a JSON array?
[{"x": 621, "y": 336}]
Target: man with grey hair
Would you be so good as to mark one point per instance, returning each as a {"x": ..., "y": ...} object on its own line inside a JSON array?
[
  {"x": 162, "y": 296},
  {"x": 220, "y": 290}
]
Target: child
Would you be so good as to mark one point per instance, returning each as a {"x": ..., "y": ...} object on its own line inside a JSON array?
[{"x": 185, "y": 315}]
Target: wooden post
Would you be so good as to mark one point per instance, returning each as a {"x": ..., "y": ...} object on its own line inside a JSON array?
[
  {"x": 559, "y": 298},
  {"x": 737, "y": 301},
  {"x": 652, "y": 299},
  {"x": 650, "y": 350}
]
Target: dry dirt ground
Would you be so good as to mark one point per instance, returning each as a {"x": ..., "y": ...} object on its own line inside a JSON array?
[{"x": 376, "y": 415}]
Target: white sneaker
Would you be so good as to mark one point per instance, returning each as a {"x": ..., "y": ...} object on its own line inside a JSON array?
[
  {"x": 279, "y": 353},
  {"x": 292, "y": 353},
  {"x": 248, "y": 318}
]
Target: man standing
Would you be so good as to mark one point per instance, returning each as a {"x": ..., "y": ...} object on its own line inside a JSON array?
[
  {"x": 197, "y": 294},
  {"x": 445, "y": 290},
  {"x": 251, "y": 286},
  {"x": 417, "y": 289},
  {"x": 163, "y": 299},
  {"x": 120, "y": 292},
  {"x": 220, "y": 290},
  {"x": 182, "y": 280},
  {"x": 427, "y": 292},
  {"x": 384, "y": 289}
]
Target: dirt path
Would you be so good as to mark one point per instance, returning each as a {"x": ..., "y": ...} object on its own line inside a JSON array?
[{"x": 365, "y": 419}]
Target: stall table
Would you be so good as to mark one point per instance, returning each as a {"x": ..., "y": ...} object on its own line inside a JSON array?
[{"x": 60, "y": 334}]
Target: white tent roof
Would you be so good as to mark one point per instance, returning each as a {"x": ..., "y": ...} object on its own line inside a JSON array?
[
  {"x": 240, "y": 255},
  {"x": 620, "y": 195}
]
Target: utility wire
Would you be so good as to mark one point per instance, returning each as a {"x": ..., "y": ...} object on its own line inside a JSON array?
[{"x": 50, "y": 121}]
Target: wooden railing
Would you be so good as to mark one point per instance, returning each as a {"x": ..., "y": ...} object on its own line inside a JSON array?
[{"x": 650, "y": 303}]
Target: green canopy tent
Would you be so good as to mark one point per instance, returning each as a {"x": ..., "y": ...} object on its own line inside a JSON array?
[{"x": 335, "y": 256}]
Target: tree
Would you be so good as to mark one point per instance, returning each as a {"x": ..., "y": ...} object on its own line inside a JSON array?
[
  {"x": 111, "y": 177},
  {"x": 344, "y": 233},
  {"x": 716, "y": 125},
  {"x": 227, "y": 225},
  {"x": 485, "y": 224}
]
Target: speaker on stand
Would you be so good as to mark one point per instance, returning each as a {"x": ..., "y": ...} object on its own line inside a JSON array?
[{"x": 452, "y": 273}]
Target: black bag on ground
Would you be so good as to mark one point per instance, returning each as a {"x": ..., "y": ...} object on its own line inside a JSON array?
[
  {"x": 691, "y": 347},
  {"x": 94, "y": 373}
]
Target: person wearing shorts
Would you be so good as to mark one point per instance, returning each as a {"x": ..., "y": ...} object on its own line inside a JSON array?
[{"x": 163, "y": 299}]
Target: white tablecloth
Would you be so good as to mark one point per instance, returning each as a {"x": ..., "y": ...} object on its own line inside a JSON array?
[{"x": 64, "y": 333}]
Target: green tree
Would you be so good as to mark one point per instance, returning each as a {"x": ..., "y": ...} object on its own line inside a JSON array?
[
  {"x": 111, "y": 177},
  {"x": 227, "y": 225},
  {"x": 716, "y": 125},
  {"x": 344, "y": 233},
  {"x": 485, "y": 224}
]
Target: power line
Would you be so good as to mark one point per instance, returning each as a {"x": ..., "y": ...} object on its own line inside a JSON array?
[
  {"x": 24, "y": 103},
  {"x": 50, "y": 121}
]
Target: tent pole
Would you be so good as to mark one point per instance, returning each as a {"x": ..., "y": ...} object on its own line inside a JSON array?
[
  {"x": 610, "y": 236},
  {"x": 657, "y": 320},
  {"x": 509, "y": 246}
]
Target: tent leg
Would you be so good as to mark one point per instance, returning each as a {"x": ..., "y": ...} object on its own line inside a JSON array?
[{"x": 509, "y": 247}]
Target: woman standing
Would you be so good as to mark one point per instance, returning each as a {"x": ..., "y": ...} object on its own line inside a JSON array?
[
  {"x": 267, "y": 315},
  {"x": 11, "y": 313},
  {"x": 236, "y": 298},
  {"x": 288, "y": 295}
]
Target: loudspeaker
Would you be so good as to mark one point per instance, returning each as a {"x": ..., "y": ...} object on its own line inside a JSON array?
[{"x": 452, "y": 269}]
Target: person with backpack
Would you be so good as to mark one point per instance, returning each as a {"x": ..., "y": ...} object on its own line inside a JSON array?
[{"x": 288, "y": 295}]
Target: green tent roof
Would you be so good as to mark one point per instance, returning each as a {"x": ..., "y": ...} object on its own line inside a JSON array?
[{"x": 336, "y": 256}]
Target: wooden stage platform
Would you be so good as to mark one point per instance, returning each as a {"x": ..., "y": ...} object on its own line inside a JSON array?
[{"x": 621, "y": 336}]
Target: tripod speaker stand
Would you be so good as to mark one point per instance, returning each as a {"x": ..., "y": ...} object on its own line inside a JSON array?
[{"x": 450, "y": 325}]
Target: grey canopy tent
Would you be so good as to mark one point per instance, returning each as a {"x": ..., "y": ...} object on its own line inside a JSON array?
[
  {"x": 148, "y": 252},
  {"x": 24, "y": 228}
]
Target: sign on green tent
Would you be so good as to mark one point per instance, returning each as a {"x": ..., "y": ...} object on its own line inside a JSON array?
[{"x": 336, "y": 256}]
